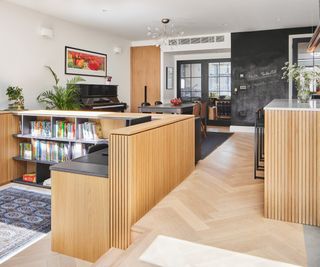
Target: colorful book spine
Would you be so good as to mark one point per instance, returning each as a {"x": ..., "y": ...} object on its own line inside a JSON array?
[
  {"x": 65, "y": 130},
  {"x": 88, "y": 131},
  {"x": 25, "y": 150},
  {"x": 40, "y": 128}
]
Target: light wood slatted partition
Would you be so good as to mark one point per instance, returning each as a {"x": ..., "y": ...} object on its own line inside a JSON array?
[
  {"x": 292, "y": 166},
  {"x": 146, "y": 166},
  {"x": 146, "y": 161}
]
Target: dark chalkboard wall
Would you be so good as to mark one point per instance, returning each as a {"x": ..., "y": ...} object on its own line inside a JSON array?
[{"x": 257, "y": 59}]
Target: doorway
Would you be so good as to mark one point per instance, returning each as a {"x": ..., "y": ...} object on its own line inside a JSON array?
[
  {"x": 301, "y": 57},
  {"x": 207, "y": 81}
]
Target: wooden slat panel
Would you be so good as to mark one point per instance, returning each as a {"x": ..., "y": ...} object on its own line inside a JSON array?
[
  {"x": 145, "y": 167},
  {"x": 291, "y": 170}
]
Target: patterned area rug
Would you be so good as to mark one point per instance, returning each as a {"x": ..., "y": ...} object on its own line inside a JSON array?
[{"x": 25, "y": 216}]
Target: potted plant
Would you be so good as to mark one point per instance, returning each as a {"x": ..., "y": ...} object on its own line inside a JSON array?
[
  {"x": 15, "y": 95},
  {"x": 62, "y": 98},
  {"x": 303, "y": 78}
]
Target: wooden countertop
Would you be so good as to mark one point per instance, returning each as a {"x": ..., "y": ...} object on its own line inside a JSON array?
[
  {"x": 157, "y": 122},
  {"x": 84, "y": 114},
  {"x": 6, "y": 112}
]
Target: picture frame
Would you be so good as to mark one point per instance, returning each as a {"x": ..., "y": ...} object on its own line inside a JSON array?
[
  {"x": 85, "y": 63},
  {"x": 169, "y": 78}
]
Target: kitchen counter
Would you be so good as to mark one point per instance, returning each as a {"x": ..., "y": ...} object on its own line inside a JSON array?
[
  {"x": 292, "y": 104},
  {"x": 292, "y": 161},
  {"x": 95, "y": 164}
]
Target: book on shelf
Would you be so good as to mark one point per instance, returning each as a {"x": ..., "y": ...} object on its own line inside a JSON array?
[
  {"x": 29, "y": 177},
  {"x": 40, "y": 128},
  {"x": 51, "y": 151},
  {"x": 64, "y": 129},
  {"x": 89, "y": 131},
  {"x": 25, "y": 151}
]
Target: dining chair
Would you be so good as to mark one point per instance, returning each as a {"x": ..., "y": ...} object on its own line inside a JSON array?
[{"x": 197, "y": 113}]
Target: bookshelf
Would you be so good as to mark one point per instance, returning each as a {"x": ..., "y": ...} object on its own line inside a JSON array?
[{"x": 56, "y": 136}]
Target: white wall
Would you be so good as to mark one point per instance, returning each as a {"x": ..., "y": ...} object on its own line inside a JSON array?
[
  {"x": 24, "y": 53},
  {"x": 168, "y": 61}
]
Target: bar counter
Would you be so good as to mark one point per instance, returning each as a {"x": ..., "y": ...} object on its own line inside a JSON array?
[{"x": 292, "y": 161}]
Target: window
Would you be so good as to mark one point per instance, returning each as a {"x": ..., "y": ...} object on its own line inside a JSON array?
[
  {"x": 190, "y": 81},
  {"x": 308, "y": 60},
  {"x": 219, "y": 79},
  {"x": 203, "y": 79}
]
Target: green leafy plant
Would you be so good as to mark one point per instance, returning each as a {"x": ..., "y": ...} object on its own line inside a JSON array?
[
  {"x": 15, "y": 95},
  {"x": 63, "y": 98},
  {"x": 301, "y": 76}
]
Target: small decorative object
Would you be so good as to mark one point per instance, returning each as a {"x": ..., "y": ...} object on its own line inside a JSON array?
[
  {"x": 85, "y": 63},
  {"x": 62, "y": 98},
  {"x": 15, "y": 95},
  {"x": 176, "y": 101},
  {"x": 108, "y": 80},
  {"x": 303, "y": 78},
  {"x": 169, "y": 78}
]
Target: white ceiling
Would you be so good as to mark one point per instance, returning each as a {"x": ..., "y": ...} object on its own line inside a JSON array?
[{"x": 129, "y": 18}]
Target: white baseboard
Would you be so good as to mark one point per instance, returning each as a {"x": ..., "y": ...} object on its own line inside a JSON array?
[{"x": 241, "y": 129}]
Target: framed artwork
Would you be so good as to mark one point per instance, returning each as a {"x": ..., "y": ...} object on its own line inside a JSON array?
[
  {"x": 85, "y": 63},
  {"x": 169, "y": 78}
]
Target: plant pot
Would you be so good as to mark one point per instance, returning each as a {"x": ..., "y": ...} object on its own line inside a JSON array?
[
  {"x": 303, "y": 96},
  {"x": 15, "y": 107}
]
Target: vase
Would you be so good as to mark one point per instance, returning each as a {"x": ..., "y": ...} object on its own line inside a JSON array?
[
  {"x": 15, "y": 106},
  {"x": 303, "y": 96}
]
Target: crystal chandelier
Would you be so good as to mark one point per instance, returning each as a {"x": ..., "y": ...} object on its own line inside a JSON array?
[{"x": 164, "y": 33}]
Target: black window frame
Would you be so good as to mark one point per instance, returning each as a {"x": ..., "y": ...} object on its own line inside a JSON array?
[{"x": 204, "y": 76}]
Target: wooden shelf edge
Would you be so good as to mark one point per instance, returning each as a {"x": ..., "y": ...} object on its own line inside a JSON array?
[
  {"x": 20, "y": 181},
  {"x": 35, "y": 161},
  {"x": 23, "y": 136}
]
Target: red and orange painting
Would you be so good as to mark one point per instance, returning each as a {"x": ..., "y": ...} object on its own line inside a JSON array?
[{"x": 83, "y": 62}]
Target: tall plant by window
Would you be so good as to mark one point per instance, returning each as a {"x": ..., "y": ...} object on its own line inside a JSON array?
[{"x": 60, "y": 97}]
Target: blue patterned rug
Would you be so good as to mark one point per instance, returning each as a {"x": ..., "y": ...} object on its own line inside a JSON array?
[{"x": 25, "y": 216}]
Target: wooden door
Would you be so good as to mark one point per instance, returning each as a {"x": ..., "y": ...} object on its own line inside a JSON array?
[{"x": 145, "y": 71}]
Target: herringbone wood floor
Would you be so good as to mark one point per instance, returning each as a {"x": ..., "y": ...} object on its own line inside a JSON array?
[{"x": 220, "y": 205}]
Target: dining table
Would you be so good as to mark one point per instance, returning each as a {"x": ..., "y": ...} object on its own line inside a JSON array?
[{"x": 185, "y": 108}]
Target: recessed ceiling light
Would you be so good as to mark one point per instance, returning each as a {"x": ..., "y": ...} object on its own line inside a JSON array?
[{"x": 278, "y": 19}]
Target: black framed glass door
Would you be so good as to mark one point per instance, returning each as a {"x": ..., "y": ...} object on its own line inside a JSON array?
[
  {"x": 301, "y": 57},
  {"x": 190, "y": 81},
  {"x": 203, "y": 79}
]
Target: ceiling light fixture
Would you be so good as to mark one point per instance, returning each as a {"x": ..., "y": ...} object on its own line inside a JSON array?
[
  {"x": 164, "y": 33},
  {"x": 315, "y": 40}
]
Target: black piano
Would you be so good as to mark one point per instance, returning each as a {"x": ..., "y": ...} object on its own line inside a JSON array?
[{"x": 100, "y": 97}]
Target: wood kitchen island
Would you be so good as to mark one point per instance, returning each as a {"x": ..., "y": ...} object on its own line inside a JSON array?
[{"x": 292, "y": 161}]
